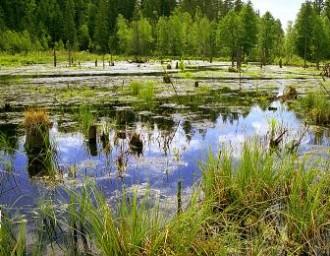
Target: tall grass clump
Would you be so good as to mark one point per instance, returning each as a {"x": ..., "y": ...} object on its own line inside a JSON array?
[
  {"x": 40, "y": 150},
  {"x": 144, "y": 91},
  {"x": 135, "y": 87},
  {"x": 128, "y": 229},
  {"x": 263, "y": 202},
  {"x": 85, "y": 118},
  {"x": 36, "y": 117},
  {"x": 273, "y": 202},
  {"x": 317, "y": 106},
  {"x": 12, "y": 236}
]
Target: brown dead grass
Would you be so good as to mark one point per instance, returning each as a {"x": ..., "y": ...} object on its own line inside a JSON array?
[{"x": 36, "y": 117}]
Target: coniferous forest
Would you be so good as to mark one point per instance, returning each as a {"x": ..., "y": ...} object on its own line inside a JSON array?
[
  {"x": 164, "y": 128},
  {"x": 206, "y": 28}
]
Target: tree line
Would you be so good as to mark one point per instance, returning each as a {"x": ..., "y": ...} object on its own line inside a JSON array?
[{"x": 198, "y": 28}]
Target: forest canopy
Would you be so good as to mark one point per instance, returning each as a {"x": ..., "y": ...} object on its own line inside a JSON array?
[{"x": 198, "y": 28}]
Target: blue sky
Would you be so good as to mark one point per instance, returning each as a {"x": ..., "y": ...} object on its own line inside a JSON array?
[{"x": 285, "y": 10}]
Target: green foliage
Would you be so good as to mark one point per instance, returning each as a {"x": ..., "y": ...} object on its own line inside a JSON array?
[
  {"x": 69, "y": 24},
  {"x": 316, "y": 105},
  {"x": 11, "y": 41},
  {"x": 230, "y": 33},
  {"x": 312, "y": 34},
  {"x": 135, "y": 37},
  {"x": 102, "y": 27},
  {"x": 249, "y": 21},
  {"x": 264, "y": 187},
  {"x": 83, "y": 37},
  {"x": 163, "y": 36},
  {"x": 85, "y": 118},
  {"x": 143, "y": 90},
  {"x": 12, "y": 243},
  {"x": 203, "y": 28},
  {"x": 274, "y": 200},
  {"x": 270, "y": 38}
]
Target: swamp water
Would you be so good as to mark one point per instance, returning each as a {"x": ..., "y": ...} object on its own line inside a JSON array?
[{"x": 143, "y": 144}]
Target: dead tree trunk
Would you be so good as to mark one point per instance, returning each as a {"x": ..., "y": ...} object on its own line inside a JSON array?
[
  {"x": 233, "y": 59},
  {"x": 54, "y": 55},
  {"x": 70, "y": 59}
]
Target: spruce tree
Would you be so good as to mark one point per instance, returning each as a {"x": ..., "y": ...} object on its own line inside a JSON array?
[
  {"x": 230, "y": 33},
  {"x": 69, "y": 27},
  {"x": 249, "y": 21},
  {"x": 289, "y": 43},
  {"x": 267, "y": 38},
  {"x": 102, "y": 28},
  {"x": 304, "y": 28}
]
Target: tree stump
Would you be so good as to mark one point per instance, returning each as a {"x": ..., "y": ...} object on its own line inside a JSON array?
[
  {"x": 136, "y": 144},
  {"x": 92, "y": 133},
  {"x": 326, "y": 70},
  {"x": 167, "y": 80}
]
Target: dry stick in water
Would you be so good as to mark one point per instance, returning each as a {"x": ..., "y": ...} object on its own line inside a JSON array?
[
  {"x": 169, "y": 79},
  {"x": 179, "y": 196}
]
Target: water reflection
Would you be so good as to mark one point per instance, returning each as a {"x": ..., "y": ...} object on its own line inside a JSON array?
[{"x": 159, "y": 148}]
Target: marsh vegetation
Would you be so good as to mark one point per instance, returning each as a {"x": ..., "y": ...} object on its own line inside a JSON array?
[{"x": 165, "y": 128}]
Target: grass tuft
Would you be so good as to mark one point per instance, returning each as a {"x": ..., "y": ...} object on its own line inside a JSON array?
[
  {"x": 317, "y": 106},
  {"x": 36, "y": 118}
]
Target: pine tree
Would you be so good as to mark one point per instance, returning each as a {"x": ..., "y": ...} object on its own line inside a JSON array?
[
  {"x": 151, "y": 9},
  {"x": 228, "y": 5},
  {"x": 69, "y": 27},
  {"x": 304, "y": 26},
  {"x": 249, "y": 21},
  {"x": 319, "y": 40},
  {"x": 52, "y": 18},
  {"x": 167, "y": 7},
  {"x": 163, "y": 36},
  {"x": 177, "y": 41},
  {"x": 92, "y": 11},
  {"x": 29, "y": 16},
  {"x": 2, "y": 19},
  {"x": 189, "y": 6},
  {"x": 127, "y": 8},
  {"x": 267, "y": 38},
  {"x": 318, "y": 6},
  {"x": 123, "y": 33},
  {"x": 230, "y": 33},
  {"x": 289, "y": 43},
  {"x": 238, "y": 5},
  {"x": 102, "y": 28},
  {"x": 327, "y": 8},
  {"x": 326, "y": 25}
]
